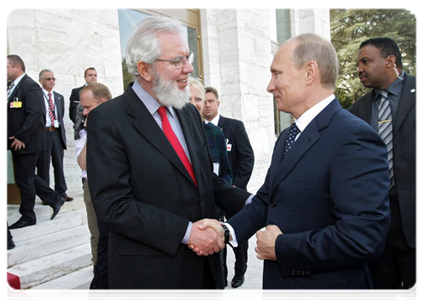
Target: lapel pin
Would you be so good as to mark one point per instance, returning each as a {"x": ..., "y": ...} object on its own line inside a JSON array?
[{"x": 412, "y": 90}]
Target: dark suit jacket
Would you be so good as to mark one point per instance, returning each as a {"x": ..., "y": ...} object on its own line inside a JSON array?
[
  {"x": 73, "y": 102},
  {"x": 241, "y": 155},
  {"x": 60, "y": 103},
  {"x": 145, "y": 196},
  {"x": 404, "y": 151},
  {"x": 27, "y": 123},
  {"x": 329, "y": 197}
]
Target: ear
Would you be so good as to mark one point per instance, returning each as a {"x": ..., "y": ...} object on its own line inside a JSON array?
[
  {"x": 145, "y": 70},
  {"x": 390, "y": 61},
  {"x": 312, "y": 72}
]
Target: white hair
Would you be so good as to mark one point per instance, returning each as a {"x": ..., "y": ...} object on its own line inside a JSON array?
[{"x": 144, "y": 44}]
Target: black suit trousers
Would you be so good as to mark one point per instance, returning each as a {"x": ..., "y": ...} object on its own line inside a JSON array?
[
  {"x": 396, "y": 268},
  {"x": 53, "y": 152},
  {"x": 24, "y": 167}
]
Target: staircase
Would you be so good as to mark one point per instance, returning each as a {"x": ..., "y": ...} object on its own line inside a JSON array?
[{"x": 53, "y": 254}]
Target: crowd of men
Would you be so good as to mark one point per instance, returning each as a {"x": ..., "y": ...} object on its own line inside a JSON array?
[{"x": 337, "y": 204}]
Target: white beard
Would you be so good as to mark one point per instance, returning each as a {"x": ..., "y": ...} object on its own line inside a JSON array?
[{"x": 169, "y": 94}]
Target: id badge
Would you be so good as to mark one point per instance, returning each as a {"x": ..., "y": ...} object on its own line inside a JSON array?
[{"x": 16, "y": 104}]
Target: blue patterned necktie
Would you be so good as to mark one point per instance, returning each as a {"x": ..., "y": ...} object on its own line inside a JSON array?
[
  {"x": 290, "y": 140},
  {"x": 384, "y": 129}
]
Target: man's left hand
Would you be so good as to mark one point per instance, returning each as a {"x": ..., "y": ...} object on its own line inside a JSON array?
[
  {"x": 16, "y": 144},
  {"x": 266, "y": 241}
]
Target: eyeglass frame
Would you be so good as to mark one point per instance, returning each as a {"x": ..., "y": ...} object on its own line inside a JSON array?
[
  {"x": 49, "y": 78},
  {"x": 180, "y": 59}
]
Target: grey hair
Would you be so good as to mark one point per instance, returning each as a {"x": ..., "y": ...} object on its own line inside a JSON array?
[
  {"x": 196, "y": 82},
  {"x": 311, "y": 47},
  {"x": 40, "y": 75},
  {"x": 144, "y": 44}
]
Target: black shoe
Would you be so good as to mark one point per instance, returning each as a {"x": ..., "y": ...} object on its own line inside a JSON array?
[
  {"x": 237, "y": 281},
  {"x": 56, "y": 207},
  {"x": 67, "y": 198},
  {"x": 21, "y": 223},
  {"x": 10, "y": 244}
]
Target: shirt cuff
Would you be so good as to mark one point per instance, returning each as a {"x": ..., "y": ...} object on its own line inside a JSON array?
[
  {"x": 250, "y": 199},
  {"x": 234, "y": 242},
  {"x": 187, "y": 234}
]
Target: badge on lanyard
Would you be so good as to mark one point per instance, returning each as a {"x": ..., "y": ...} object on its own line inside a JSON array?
[{"x": 16, "y": 103}]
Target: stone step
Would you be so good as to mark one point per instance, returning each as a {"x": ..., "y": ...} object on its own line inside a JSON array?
[
  {"x": 48, "y": 244},
  {"x": 80, "y": 279},
  {"x": 41, "y": 270},
  {"x": 46, "y": 226}
]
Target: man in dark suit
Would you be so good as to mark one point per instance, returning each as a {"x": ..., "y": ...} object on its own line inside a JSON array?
[
  {"x": 26, "y": 139},
  {"x": 324, "y": 201},
  {"x": 55, "y": 135},
  {"x": 241, "y": 158},
  {"x": 380, "y": 68},
  {"x": 156, "y": 171},
  {"x": 90, "y": 75}
]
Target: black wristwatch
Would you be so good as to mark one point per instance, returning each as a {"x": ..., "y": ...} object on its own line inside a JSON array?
[{"x": 227, "y": 233}]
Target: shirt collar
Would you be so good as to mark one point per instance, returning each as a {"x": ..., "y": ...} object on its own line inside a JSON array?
[
  {"x": 395, "y": 87},
  {"x": 312, "y": 112},
  {"x": 214, "y": 121},
  {"x": 17, "y": 80}
]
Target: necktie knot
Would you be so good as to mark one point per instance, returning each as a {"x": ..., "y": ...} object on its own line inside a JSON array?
[{"x": 290, "y": 140}]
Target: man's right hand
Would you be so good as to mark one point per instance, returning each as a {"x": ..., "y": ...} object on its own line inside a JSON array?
[{"x": 207, "y": 237}]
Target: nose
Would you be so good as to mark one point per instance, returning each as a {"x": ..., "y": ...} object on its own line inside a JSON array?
[
  {"x": 187, "y": 68},
  {"x": 271, "y": 86}
]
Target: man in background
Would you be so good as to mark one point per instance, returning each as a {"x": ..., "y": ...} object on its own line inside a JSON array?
[
  {"x": 75, "y": 110},
  {"x": 55, "y": 135},
  {"x": 390, "y": 108},
  {"x": 92, "y": 96},
  {"x": 241, "y": 158},
  {"x": 26, "y": 138}
]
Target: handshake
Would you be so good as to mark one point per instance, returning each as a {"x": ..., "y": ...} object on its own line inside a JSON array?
[{"x": 208, "y": 237}]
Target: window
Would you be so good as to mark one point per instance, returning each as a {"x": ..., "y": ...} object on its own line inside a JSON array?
[{"x": 129, "y": 19}]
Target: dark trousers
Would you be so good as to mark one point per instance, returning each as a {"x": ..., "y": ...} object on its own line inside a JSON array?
[
  {"x": 396, "y": 268},
  {"x": 45, "y": 193},
  {"x": 101, "y": 270},
  {"x": 24, "y": 167},
  {"x": 241, "y": 259},
  {"x": 208, "y": 281},
  {"x": 53, "y": 153}
]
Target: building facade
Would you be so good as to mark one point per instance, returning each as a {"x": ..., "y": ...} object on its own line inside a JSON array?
[{"x": 234, "y": 49}]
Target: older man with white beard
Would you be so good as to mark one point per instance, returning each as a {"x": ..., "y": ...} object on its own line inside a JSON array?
[{"x": 157, "y": 177}]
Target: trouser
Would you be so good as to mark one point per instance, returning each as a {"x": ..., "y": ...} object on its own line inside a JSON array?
[
  {"x": 24, "y": 167},
  {"x": 396, "y": 268},
  {"x": 92, "y": 221}
]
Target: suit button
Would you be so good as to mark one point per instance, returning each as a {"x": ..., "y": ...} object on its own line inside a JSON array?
[
  {"x": 202, "y": 203},
  {"x": 272, "y": 203}
]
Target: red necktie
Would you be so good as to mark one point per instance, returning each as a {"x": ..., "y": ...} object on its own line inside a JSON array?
[
  {"x": 51, "y": 109},
  {"x": 167, "y": 129}
]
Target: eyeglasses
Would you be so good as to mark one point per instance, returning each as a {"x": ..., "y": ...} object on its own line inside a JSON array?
[
  {"x": 179, "y": 62},
  {"x": 50, "y": 79}
]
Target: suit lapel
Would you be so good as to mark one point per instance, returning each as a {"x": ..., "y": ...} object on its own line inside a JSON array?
[
  {"x": 365, "y": 107},
  {"x": 406, "y": 102},
  {"x": 304, "y": 143},
  {"x": 17, "y": 88},
  {"x": 145, "y": 124}
]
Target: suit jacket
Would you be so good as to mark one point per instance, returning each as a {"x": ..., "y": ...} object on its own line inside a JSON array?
[
  {"x": 145, "y": 196},
  {"x": 60, "y": 104},
  {"x": 404, "y": 163},
  {"x": 329, "y": 197},
  {"x": 27, "y": 123},
  {"x": 240, "y": 152},
  {"x": 217, "y": 145},
  {"x": 73, "y": 102}
]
